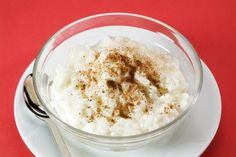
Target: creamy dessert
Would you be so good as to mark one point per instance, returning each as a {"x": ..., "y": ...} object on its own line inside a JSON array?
[{"x": 118, "y": 87}]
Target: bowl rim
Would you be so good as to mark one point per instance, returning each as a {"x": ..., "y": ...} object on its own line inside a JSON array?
[{"x": 130, "y": 137}]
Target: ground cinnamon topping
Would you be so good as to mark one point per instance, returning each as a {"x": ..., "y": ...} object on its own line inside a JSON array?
[
  {"x": 122, "y": 64},
  {"x": 123, "y": 110},
  {"x": 111, "y": 84}
]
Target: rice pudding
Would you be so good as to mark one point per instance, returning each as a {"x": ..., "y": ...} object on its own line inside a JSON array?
[{"x": 118, "y": 87}]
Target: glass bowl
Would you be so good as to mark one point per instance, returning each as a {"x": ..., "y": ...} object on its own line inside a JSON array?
[{"x": 90, "y": 30}]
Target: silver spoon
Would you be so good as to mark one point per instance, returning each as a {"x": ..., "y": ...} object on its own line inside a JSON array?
[{"x": 33, "y": 105}]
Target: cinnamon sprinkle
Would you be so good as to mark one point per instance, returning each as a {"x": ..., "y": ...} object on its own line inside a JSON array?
[{"x": 123, "y": 64}]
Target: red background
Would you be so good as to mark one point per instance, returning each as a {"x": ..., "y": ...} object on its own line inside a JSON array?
[{"x": 25, "y": 25}]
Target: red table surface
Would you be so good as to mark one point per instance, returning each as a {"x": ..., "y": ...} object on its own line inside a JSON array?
[{"x": 25, "y": 25}]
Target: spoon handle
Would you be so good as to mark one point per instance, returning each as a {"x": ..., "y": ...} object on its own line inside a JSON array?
[{"x": 58, "y": 138}]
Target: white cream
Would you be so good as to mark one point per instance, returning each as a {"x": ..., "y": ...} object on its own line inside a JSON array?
[{"x": 105, "y": 90}]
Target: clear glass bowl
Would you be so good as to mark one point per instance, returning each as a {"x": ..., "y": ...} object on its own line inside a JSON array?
[{"x": 91, "y": 29}]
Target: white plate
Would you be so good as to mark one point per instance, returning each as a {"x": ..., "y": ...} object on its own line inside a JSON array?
[{"x": 191, "y": 140}]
